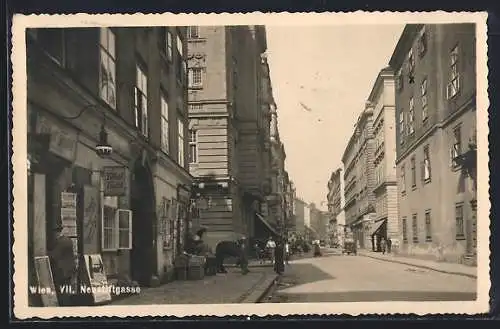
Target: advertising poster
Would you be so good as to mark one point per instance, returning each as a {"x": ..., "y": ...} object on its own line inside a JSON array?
[
  {"x": 68, "y": 214},
  {"x": 98, "y": 282},
  {"x": 46, "y": 287}
]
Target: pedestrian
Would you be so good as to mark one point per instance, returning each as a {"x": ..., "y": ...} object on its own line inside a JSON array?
[
  {"x": 279, "y": 254},
  {"x": 244, "y": 255},
  {"x": 383, "y": 245},
  {"x": 64, "y": 267},
  {"x": 287, "y": 252},
  {"x": 389, "y": 246},
  {"x": 270, "y": 248}
]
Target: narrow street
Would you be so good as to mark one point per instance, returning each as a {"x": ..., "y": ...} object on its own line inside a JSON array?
[{"x": 337, "y": 278}]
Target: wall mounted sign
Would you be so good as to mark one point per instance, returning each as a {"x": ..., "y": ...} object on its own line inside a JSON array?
[
  {"x": 115, "y": 182},
  {"x": 63, "y": 141},
  {"x": 90, "y": 219}
]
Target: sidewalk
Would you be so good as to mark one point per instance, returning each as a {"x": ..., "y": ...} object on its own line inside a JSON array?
[
  {"x": 232, "y": 287},
  {"x": 448, "y": 268}
]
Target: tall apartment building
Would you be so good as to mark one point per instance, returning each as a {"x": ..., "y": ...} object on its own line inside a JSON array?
[
  {"x": 435, "y": 69},
  {"x": 359, "y": 178},
  {"x": 336, "y": 204},
  {"x": 300, "y": 215},
  {"x": 227, "y": 126},
  {"x": 382, "y": 97},
  {"x": 124, "y": 87}
]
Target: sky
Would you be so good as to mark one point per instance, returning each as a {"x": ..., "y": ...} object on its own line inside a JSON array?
[{"x": 331, "y": 71}]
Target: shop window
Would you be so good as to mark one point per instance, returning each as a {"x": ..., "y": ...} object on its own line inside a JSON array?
[{"x": 116, "y": 226}]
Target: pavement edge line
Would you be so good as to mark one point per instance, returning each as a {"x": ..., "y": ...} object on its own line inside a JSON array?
[
  {"x": 420, "y": 266},
  {"x": 267, "y": 289}
]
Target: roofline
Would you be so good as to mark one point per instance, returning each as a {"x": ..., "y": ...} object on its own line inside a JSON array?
[
  {"x": 386, "y": 72},
  {"x": 403, "y": 45}
]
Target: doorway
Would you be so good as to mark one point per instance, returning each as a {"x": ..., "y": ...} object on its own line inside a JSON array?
[{"x": 142, "y": 255}]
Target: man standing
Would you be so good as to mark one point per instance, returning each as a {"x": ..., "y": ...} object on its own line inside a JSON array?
[
  {"x": 64, "y": 268},
  {"x": 279, "y": 264},
  {"x": 271, "y": 246},
  {"x": 244, "y": 255},
  {"x": 287, "y": 252}
]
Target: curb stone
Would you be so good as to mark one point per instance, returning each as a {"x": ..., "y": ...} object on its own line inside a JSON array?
[
  {"x": 260, "y": 290},
  {"x": 420, "y": 266}
]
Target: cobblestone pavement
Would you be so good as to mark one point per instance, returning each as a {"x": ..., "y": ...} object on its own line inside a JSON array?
[
  {"x": 232, "y": 287},
  {"x": 357, "y": 278}
]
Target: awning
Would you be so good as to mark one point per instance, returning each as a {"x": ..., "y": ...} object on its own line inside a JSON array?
[
  {"x": 266, "y": 223},
  {"x": 377, "y": 227}
]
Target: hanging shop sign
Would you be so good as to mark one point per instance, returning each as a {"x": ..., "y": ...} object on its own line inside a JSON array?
[
  {"x": 97, "y": 282},
  {"x": 114, "y": 178},
  {"x": 68, "y": 214},
  {"x": 63, "y": 141}
]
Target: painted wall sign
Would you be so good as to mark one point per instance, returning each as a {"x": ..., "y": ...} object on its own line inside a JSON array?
[
  {"x": 115, "y": 182},
  {"x": 90, "y": 219},
  {"x": 63, "y": 141}
]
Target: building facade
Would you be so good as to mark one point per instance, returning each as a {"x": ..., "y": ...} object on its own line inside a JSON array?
[
  {"x": 92, "y": 85},
  {"x": 382, "y": 97},
  {"x": 359, "y": 179},
  {"x": 300, "y": 216},
  {"x": 227, "y": 127},
  {"x": 336, "y": 204},
  {"x": 436, "y": 124}
]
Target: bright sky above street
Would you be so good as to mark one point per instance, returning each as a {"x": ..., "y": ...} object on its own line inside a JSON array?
[{"x": 321, "y": 78}]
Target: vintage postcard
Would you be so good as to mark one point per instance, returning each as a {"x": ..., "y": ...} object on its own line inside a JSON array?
[{"x": 250, "y": 164}]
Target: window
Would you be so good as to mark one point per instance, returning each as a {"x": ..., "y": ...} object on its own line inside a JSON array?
[
  {"x": 53, "y": 42},
  {"x": 180, "y": 139},
  {"x": 456, "y": 148},
  {"x": 195, "y": 77},
  {"x": 401, "y": 126},
  {"x": 405, "y": 230},
  {"x": 195, "y": 107},
  {"x": 422, "y": 43},
  {"x": 141, "y": 101},
  {"x": 193, "y": 146},
  {"x": 116, "y": 226},
  {"x": 194, "y": 32},
  {"x": 107, "y": 67},
  {"x": 169, "y": 42},
  {"x": 164, "y": 125},
  {"x": 459, "y": 221},
  {"x": 181, "y": 64},
  {"x": 426, "y": 173},
  {"x": 423, "y": 95},
  {"x": 411, "y": 117},
  {"x": 399, "y": 81},
  {"x": 428, "y": 227},
  {"x": 454, "y": 80},
  {"x": 413, "y": 172},
  {"x": 124, "y": 222},
  {"x": 414, "y": 228},
  {"x": 403, "y": 180},
  {"x": 411, "y": 62}
]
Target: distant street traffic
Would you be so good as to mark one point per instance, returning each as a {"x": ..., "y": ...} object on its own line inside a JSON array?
[{"x": 336, "y": 278}]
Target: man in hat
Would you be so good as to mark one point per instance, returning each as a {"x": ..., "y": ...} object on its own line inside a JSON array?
[
  {"x": 64, "y": 267},
  {"x": 243, "y": 260}
]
